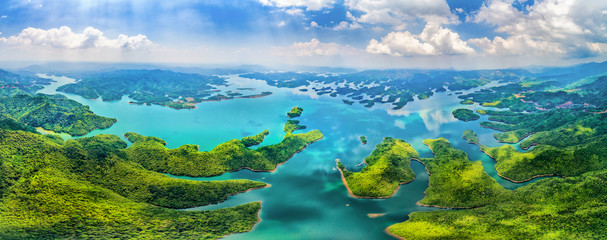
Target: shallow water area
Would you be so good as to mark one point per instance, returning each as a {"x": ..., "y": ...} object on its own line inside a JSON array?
[{"x": 307, "y": 199}]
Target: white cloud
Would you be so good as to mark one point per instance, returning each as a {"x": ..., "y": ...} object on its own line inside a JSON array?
[
  {"x": 434, "y": 40},
  {"x": 64, "y": 38},
  {"x": 313, "y": 24},
  {"x": 313, "y": 48},
  {"x": 281, "y": 24},
  {"x": 568, "y": 28},
  {"x": 400, "y": 13},
  {"x": 310, "y": 5},
  {"x": 294, "y": 12},
  {"x": 343, "y": 25},
  {"x": 3, "y": 16}
]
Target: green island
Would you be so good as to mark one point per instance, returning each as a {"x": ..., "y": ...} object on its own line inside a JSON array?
[
  {"x": 233, "y": 155},
  {"x": 52, "y": 112},
  {"x": 398, "y": 86},
  {"x": 363, "y": 140},
  {"x": 295, "y": 112},
  {"x": 465, "y": 115},
  {"x": 567, "y": 151},
  {"x": 555, "y": 208},
  {"x": 160, "y": 87},
  {"x": 467, "y": 102},
  {"x": 88, "y": 188},
  {"x": 455, "y": 181},
  {"x": 387, "y": 168},
  {"x": 293, "y": 125}
]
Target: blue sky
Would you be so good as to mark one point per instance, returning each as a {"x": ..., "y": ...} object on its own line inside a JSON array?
[{"x": 357, "y": 33}]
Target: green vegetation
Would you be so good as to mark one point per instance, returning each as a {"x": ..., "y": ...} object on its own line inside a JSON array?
[
  {"x": 88, "y": 189},
  {"x": 467, "y": 102},
  {"x": 255, "y": 140},
  {"x": 481, "y": 112},
  {"x": 233, "y": 155},
  {"x": 387, "y": 168},
  {"x": 159, "y": 87},
  {"x": 572, "y": 208},
  {"x": 397, "y": 87},
  {"x": 470, "y": 136},
  {"x": 55, "y": 113},
  {"x": 363, "y": 140},
  {"x": 295, "y": 112},
  {"x": 465, "y": 114},
  {"x": 549, "y": 160},
  {"x": 456, "y": 182},
  {"x": 293, "y": 125},
  {"x": 12, "y": 84},
  {"x": 517, "y": 126}
]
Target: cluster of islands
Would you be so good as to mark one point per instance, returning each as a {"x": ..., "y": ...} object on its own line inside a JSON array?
[{"x": 102, "y": 187}]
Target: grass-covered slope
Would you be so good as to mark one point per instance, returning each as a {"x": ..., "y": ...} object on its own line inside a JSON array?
[
  {"x": 87, "y": 189},
  {"x": 548, "y": 160},
  {"x": 56, "y": 113},
  {"x": 387, "y": 168},
  {"x": 233, "y": 155},
  {"x": 572, "y": 208},
  {"x": 465, "y": 115},
  {"x": 455, "y": 181},
  {"x": 16, "y": 84},
  {"x": 295, "y": 112}
]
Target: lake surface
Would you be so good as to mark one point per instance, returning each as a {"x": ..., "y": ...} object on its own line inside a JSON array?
[{"x": 307, "y": 199}]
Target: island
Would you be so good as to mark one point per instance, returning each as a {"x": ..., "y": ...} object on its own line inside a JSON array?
[
  {"x": 363, "y": 140},
  {"x": 233, "y": 155},
  {"x": 467, "y": 102},
  {"x": 295, "y": 112},
  {"x": 395, "y": 87},
  {"x": 88, "y": 188},
  {"x": 159, "y": 87},
  {"x": 387, "y": 168},
  {"x": 465, "y": 115},
  {"x": 569, "y": 208}
]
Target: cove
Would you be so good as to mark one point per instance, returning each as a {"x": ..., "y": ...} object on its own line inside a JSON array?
[{"x": 307, "y": 198}]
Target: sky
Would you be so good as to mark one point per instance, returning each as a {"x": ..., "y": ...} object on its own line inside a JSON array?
[{"x": 458, "y": 34}]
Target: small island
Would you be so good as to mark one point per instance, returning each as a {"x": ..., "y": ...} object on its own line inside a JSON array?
[
  {"x": 467, "y": 102},
  {"x": 387, "y": 168},
  {"x": 465, "y": 115},
  {"x": 295, "y": 112},
  {"x": 363, "y": 140}
]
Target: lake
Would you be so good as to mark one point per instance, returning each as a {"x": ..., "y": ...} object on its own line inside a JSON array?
[{"x": 307, "y": 199}]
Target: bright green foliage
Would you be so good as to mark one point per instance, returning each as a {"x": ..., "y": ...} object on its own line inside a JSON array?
[
  {"x": 11, "y": 124},
  {"x": 255, "y": 140},
  {"x": 387, "y": 167},
  {"x": 465, "y": 114},
  {"x": 56, "y": 113},
  {"x": 12, "y": 84},
  {"x": 467, "y": 102},
  {"x": 293, "y": 125},
  {"x": 295, "y": 112},
  {"x": 572, "y": 208},
  {"x": 457, "y": 182},
  {"x": 549, "y": 160},
  {"x": 87, "y": 189},
  {"x": 481, "y": 112},
  {"x": 470, "y": 136},
  {"x": 518, "y": 125},
  {"x": 159, "y": 87},
  {"x": 363, "y": 140},
  {"x": 229, "y": 156}
]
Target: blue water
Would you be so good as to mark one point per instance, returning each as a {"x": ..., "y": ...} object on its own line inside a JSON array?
[{"x": 307, "y": 199}]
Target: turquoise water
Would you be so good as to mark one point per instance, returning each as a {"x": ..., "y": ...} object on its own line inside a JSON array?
[{"x": 307, "y": 199}]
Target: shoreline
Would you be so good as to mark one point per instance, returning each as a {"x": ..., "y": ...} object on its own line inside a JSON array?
[
  {"x": 392, "y": 234},
  {"x": 343, "y": 180},
  {"x": 496, "y": 129},
  {"x": 429, "y": 182},
  {"x": 509, "y": 179}
]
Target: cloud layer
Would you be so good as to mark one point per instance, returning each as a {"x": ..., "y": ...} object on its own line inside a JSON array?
[{"x": 64, "y": 38}]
